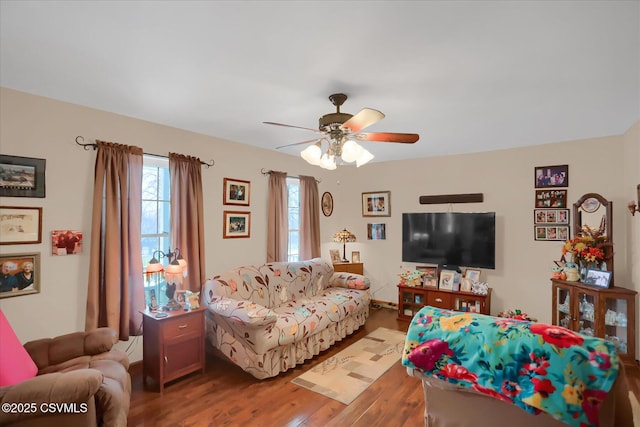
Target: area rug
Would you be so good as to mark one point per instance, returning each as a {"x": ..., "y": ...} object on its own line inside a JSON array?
[{"x": 347, "y": 374}]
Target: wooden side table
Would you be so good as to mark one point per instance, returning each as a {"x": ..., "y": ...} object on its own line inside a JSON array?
[
  {"x": 173, "y": 346},
  {"x": 349, "y": 267}
]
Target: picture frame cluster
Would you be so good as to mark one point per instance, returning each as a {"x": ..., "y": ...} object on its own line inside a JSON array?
[
  {"x": 550, "y": 215},
  {"x": 21, "y": 225},
  {"x": 236, "y": 223}
]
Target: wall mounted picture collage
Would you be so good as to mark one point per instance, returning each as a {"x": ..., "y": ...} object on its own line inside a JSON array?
[{"x": 551, "y": 214}]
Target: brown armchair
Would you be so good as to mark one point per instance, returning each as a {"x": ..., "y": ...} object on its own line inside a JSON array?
[{"x": 82, "y": 381}]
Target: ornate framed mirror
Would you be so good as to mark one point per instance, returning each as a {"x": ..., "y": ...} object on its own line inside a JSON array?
[{"x": 594, "y": 213}]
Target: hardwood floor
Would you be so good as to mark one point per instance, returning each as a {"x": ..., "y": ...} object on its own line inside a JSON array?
[{"x": 227, "y": 396}]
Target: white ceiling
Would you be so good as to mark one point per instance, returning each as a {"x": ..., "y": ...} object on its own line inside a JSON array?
[{"x": 467, "y": 76}]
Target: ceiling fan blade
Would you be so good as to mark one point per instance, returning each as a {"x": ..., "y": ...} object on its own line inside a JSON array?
[
  {"x": 299, "y": 143},
  {"x": 405, "y": 138},
  {"x": 365, "y": 117},
  {"x": 291, "y": 126}
]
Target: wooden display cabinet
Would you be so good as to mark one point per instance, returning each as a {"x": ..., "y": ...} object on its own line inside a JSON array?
[
  {"x": 349, "y": 267},
  {"x": 608, "y": 313},
  {"x": 412, "y": 299},
  {"x": 173, "y": 346}
]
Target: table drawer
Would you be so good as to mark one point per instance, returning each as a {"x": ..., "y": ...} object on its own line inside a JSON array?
[
  {"x": 439, "y": 299},
  {"x": 182, "y": 325}
]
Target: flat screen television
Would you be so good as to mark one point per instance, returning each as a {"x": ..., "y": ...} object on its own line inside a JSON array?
[{"x": 450, "y": 238}]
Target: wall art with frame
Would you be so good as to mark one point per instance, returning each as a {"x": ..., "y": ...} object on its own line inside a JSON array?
[
  {"x": 19, "y": 274},
  {"x": 551, "y": 199},
  {"x": 236, "y": 192},
  {"x": 237, "y": 224},
  {"x": 551, "y": 176},
  {"x": 22, "y": 176},
  {"x": 20, "y": 225},
  {"x": 551, "y": 232},
  {"x": 376, "y": 203},
  {"x": 376, "y": 232},
  {"x": 551, "y": 216}
]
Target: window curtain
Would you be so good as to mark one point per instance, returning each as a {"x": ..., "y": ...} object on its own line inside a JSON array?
[
  {"x": 277, "y": 222},
  {"x": 187, "y": 221},
  {"x": 309, "y": 218},
  {"x": 115, "y": 289}
]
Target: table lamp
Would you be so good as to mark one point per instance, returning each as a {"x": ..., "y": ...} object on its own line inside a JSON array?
[{"x": 343, "y": 237}]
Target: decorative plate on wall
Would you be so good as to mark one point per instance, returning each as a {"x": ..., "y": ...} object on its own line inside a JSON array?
[
  {"x": 590, "y": 205},
  {"x": 327, "y": 204}
]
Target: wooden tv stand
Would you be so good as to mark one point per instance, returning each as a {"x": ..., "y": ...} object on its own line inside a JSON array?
[{"x": 412, "y": 299}]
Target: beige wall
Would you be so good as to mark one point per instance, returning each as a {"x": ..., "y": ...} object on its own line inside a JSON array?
[{"x": 39, "y": 127}]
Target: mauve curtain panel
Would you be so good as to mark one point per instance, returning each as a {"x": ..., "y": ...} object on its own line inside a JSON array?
[{"x": 115, "y": 289}]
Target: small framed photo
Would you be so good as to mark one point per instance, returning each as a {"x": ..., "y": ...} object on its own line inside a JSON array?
[
  {"x": 236, "y": 192},
  {"x": 20, "y": 225},
  {"x": 376, "y": 203},
  {"x": 236, "y": 224},
  {"x": 376, "y": 232},
  {"x": 181, "y": 297},
  {"x": 447, "y": 278},
  {"x": 429, "y": 276},
  {"x": 355, "y": 256},
  {"x": 598, "y": 278},
  {"x": 66, "y": 242},
  {"x": 551, "y": 198},
  {"x": 473, "y": 274},
  {"x": 552, "y": 232},
  {"x": 335, "y": 256},
  {"x": 22, "y": 176},
  {"x": 551, "y": 216},
  {"x": 551, "y": 176},
  {"x": 19, "y": 274},
  {"x": 466, "y": 284}
]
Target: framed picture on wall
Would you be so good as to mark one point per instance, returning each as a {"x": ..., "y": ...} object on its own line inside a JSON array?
[
  {"x": 19, "y": 274},
  {"x": 551, "y": 198},
  {"x": 22, "y": 176},
  {"x": 376, "y": 232},
  {"x": 20, "y": 225},
  {"x": 236, "y": 224},
  {"x": 236, "y": 192},
  {"x": 551, "y": 232},
  {"x": 376, "y": 203},
  {"x": 551, "y": 176}
]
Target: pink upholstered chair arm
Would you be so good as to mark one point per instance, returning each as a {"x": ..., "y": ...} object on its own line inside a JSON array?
[{"x": 53, "y": 351}]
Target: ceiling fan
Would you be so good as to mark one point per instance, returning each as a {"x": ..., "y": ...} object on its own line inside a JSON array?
[{"x": 340, "y": 131}]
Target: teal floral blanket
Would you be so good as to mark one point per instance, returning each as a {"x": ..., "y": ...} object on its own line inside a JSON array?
[{"x": 535, "y": 366}]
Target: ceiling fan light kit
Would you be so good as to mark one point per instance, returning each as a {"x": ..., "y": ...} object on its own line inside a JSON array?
[{"x": 341, "y": 129}]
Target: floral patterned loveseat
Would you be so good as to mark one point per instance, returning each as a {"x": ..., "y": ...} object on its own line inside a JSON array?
[{"x": 269, "y": 318}]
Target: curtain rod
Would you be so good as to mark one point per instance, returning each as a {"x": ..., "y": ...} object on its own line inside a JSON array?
[
  {"x": 95, "y": 146},
  {"x": 267, "y": 172}
]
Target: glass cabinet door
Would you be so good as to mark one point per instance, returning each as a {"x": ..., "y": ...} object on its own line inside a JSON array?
[
  {"x": 563, "y": 310},
  {"x": 615, "y": 323},
  {"x": 586, "y": 314}
]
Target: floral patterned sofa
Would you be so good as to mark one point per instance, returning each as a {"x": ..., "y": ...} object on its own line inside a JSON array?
[{"x": 269, "y": 318}]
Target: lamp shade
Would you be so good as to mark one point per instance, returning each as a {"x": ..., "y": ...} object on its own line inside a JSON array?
[
  {"x": 351, "y": 151},
  {"x": 312, "y": 154},
  {"x": 154, "y": 266},
  {"x": 363, "y": 157},
  {"x": 344, "y": 236}
]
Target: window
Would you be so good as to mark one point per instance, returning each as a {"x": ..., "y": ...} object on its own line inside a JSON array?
[
  {"x": 156, "y": 220},
  {"x": 293, "y": 208}
]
